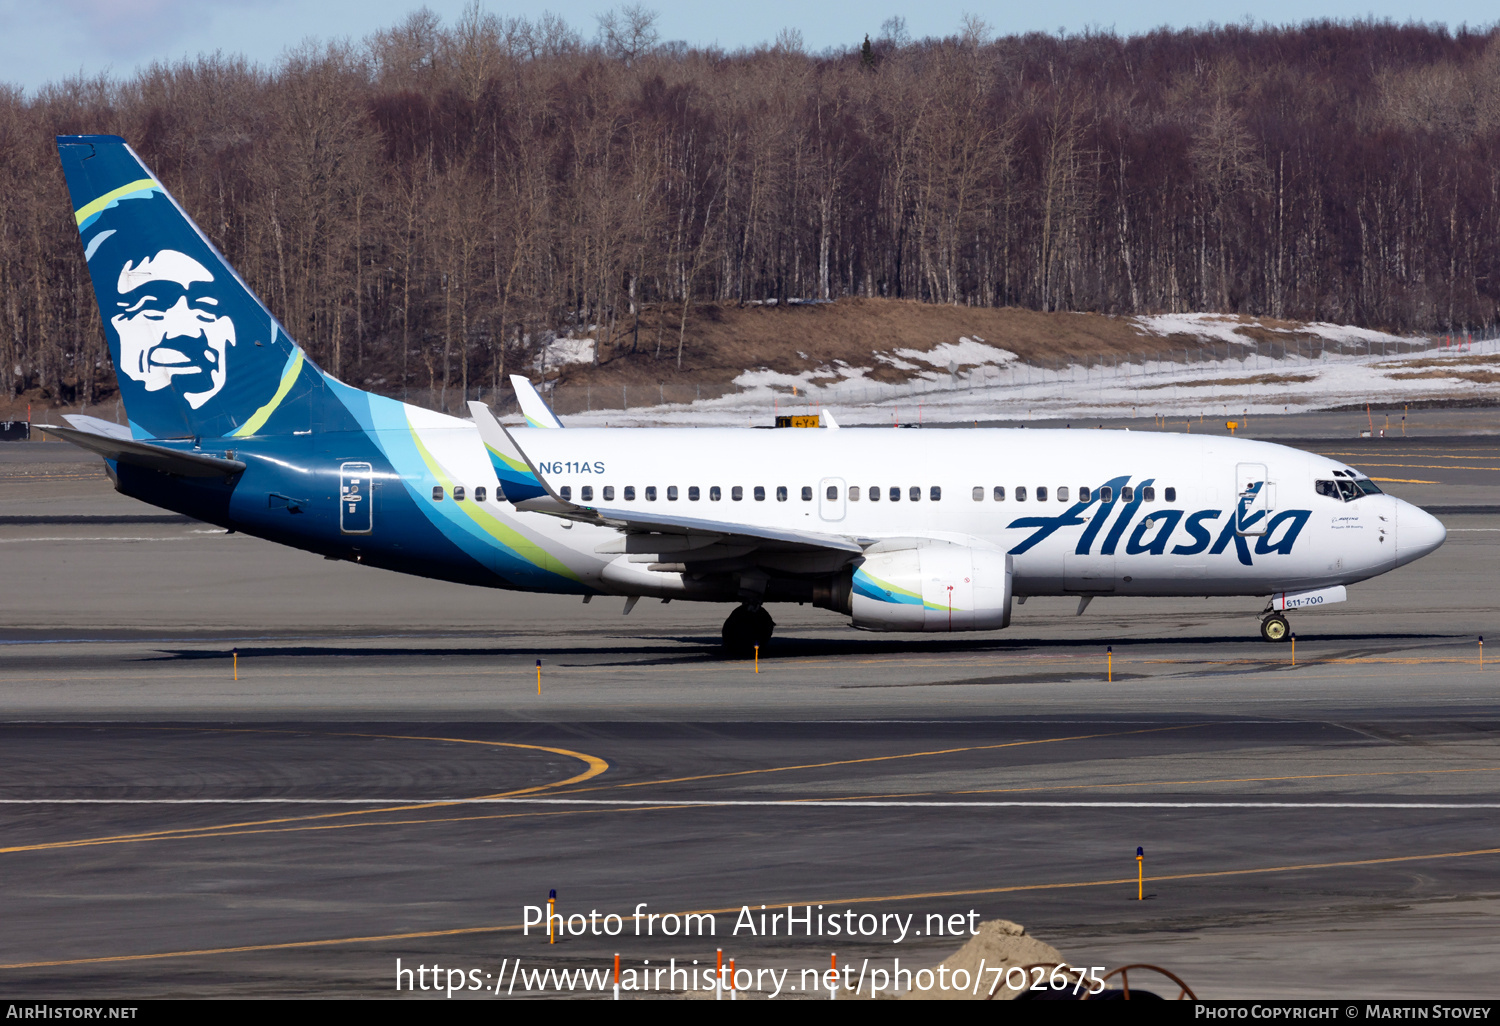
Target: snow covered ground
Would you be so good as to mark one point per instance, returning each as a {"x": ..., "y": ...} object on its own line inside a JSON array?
[{"x": 970, "y": 379}]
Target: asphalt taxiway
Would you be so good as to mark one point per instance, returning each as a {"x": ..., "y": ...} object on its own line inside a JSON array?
[{"x": 384, "y": 781}]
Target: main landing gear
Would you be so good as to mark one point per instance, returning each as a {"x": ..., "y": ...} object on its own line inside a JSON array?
[
  {"x": 747, "y": 627},
  {"x": 1275, "y": 627}
]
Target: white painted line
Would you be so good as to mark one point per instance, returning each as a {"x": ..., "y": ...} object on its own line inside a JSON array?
[
  {"x": 22, "y": 541},
  {"x": 826, "y": 803}
]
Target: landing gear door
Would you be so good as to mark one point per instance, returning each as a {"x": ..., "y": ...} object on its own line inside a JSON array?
[
  {"x": 1252, "y": 499},
  {"x": 356, "y": 498},
  {"x": 831, "y": 498}
]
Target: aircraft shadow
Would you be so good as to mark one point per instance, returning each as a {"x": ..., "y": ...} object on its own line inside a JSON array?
[{"x": 671, "y": 650}]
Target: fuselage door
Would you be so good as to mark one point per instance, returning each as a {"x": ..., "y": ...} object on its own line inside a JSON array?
[
  {"x": 831, "y": 498},
  {"x": 1252, "y": 498},
  {"x": 356, "y": 498}
]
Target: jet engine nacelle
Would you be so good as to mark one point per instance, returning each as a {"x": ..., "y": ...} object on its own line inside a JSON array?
[{"x": 932, "y": 586}]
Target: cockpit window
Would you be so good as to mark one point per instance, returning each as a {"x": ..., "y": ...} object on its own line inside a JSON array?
[{"x": 1346, "y": 489}]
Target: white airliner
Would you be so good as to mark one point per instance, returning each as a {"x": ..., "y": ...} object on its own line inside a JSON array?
[
  {"x": 940, "y": 530},
  {"x": 230, "y": 421}
]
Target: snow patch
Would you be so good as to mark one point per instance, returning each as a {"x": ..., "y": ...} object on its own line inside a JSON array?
[
  {"x": 1222, "y": 327},
  {"x": 1228, "y": 328},
  {"x": 966, "y": 352},
  {"x": 563, "y": 351},
  {"x": 1345, "y": 333}
]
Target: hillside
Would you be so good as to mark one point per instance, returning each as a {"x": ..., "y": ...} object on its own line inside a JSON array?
[{"x": 421, "y": 207}]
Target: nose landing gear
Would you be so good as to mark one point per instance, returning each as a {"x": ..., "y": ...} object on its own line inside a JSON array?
[
  {"x": 747, "y": 627},
  {"x": 1275, "y": 627}
]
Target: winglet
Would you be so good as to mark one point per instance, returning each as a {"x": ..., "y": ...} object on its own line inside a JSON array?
[
  {"x": 515, "y": 476},
  {"x": 538, "y": 413},
  {"x": 828, "y": 421}
]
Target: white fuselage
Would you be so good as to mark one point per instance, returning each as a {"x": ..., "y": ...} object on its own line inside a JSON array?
[{"x": 1175, "y": 536}]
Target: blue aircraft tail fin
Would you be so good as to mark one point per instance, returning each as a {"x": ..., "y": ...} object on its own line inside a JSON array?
[{"x": 196, "y": 352}]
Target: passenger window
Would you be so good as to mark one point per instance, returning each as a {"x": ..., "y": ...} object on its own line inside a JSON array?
[
  {"x": 651, "y": 493},
  {"x": 760, "y": 493},
  {"x": 833, "y": 493},
  {"x": 1127, "y": 494},
  {"x": 566, "y": 491},
  {"x": 874, "y": 493},
  {"x": 854, "y": 493},
  {"x": 714, "y": 494},
  {"x": 693, "y": 493},
  {"x": 671, "y": 493},
  {"x": 1171, "y": 494},
  {"x": 586, "y": 493},
  {"x": 737, "y": 493},
  {"x": 1106, "y": 494},
  {"x": 1041, "y": 493},
  {"x": 1020, "y": 493},
  {"x": 979, "y": 493},
  {"x": 781, "y": 493},
  {"x": 895, "y": 494},
  {"x": 935, "y": 493},
  {"x": 630, "y": 493},
  {"x": 458, "y": 493},
  {"x": 1083, "y": 493},
  {"x": 1062, "y": 493},
  {"x": 437, "y": 493},
  {"x": 480, "y": 494},
  {"x": 1149, "y": 494},
  {"x": 807, "y": 493},
  {"x": 609, "y": 493},
  {"x": 999, "y": 493}
]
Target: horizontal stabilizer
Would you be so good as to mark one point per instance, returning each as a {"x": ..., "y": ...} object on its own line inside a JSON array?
[
  {"x": 98, "y": 426},
  {"x": 144, "y": 454}
]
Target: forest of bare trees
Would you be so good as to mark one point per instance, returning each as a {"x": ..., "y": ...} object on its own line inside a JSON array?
[{"x": 422, "y": 207}]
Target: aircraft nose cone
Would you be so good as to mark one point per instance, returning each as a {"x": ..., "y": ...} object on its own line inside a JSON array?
[{"x": 1417, "y": 533}]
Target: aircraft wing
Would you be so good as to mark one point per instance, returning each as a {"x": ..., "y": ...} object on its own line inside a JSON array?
[
  {"x": 723, "y": 532},
  {"x": 690, "y": 539},
  {"x": 144, "y": 454}
]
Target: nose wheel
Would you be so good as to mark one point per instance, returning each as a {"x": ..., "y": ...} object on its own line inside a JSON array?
[
  {"x": 1275, "y": 628},
  {"x": 747, "y": 627}
]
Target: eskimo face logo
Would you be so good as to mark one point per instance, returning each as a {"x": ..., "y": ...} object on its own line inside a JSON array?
[{"x": 170, "y": 327}]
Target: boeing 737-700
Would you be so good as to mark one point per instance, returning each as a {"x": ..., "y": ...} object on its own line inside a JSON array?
[{"x": 232, "y": 423}]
